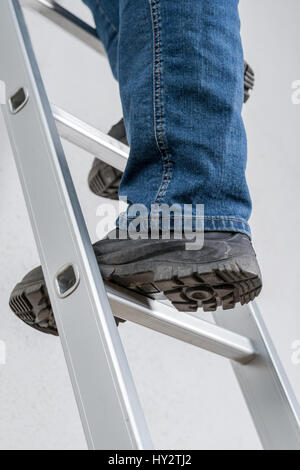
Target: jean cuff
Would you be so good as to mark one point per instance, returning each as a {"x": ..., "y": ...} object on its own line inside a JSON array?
[{"x": 227, "y": 224}]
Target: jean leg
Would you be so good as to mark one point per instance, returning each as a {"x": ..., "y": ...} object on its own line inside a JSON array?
[
  {"x": 106, "y": 16},
  {"x": 181, "y": 81}
]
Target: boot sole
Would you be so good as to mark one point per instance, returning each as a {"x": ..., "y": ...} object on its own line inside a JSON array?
[
  {"x": 191, "y": 287},
  {"x": 31, "y": 303},
  {"x": 188, "y": 288}
]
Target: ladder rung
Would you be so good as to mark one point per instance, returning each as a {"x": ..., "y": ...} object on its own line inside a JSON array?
[
  {"x": 67, "y": 21},
  {"x": 108, "y": 149},
  {"x": 164, "y": 319}
]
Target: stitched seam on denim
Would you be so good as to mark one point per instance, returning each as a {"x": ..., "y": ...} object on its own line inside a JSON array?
[
  {"x": 223, "y": 219},
  {"x": 107, "y": 19},
  {"x": 158, "y": 103}
]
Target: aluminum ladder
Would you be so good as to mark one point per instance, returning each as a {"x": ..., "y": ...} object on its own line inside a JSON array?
[{"x": 109, "y": 407}]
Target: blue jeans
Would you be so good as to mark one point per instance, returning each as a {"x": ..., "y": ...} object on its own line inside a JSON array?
[{"x": 180, "y": 67}]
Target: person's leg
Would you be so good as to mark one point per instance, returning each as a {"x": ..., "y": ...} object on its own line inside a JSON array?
[
  {"x": 106, "y": 16},
  {"x": 180, "y": 69},
  {"x": 181, "y": 81},
  {"x": 103, "y": 179}
]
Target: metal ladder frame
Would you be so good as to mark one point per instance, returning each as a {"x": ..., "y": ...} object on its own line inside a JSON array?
[{"x": 103, "y": 386}]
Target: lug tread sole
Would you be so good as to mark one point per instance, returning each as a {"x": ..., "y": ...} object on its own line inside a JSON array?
[{"x": 223, "y": 287}]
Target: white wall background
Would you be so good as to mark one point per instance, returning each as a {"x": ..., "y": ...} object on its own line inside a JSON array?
[{"x": 190, "y": 397}]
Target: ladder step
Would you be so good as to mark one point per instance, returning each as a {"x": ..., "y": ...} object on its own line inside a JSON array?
[
  {"x": 106, "y": 148},
  {"x": 161, "y": 317},
  {"x": 268, "y": 393}
]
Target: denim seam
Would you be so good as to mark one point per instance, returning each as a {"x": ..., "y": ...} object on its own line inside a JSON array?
[
  {"x": 158, "y": 104},
  {"x": 225, "y": 219},
  {"x": 107, "y": 19},
  {"x": 221, "y": 223}
]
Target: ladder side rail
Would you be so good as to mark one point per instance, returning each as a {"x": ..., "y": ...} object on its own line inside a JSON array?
[
  {"x": 269, "y": 396},
  {"x": 104, "y": 389}
]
